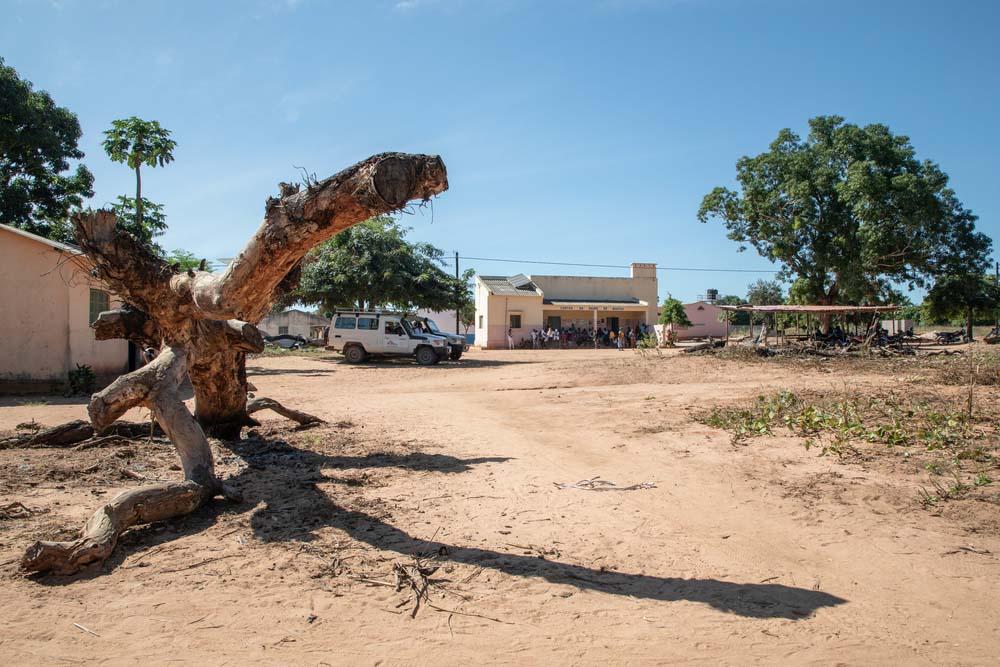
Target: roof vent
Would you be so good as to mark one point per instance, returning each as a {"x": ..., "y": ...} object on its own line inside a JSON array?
[{"x": 520, "y": 280}]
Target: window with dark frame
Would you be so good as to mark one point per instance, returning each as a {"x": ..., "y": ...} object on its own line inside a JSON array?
[
  {"x": 515, "y": 321},
  {"x": 100, "y": 301}
]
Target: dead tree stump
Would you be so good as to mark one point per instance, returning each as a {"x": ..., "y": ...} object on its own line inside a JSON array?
[{"x": 202, "y": 325}]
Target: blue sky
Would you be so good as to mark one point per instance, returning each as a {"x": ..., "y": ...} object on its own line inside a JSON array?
[{"x": 582, "y": 131}]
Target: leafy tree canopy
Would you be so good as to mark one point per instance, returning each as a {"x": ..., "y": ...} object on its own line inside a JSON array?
[
  {"x": 182, "y": 259},
  {"x": 848, "y": 211},
  {"x": 153, "y": 223},
  {"x": 672, "y": 312},
  {"x": 37, "y": 141},
  {"x": 734, "y": 317},
  {"x": 136, "y": 142},
  {"x": 765, "y": 293},
  {"x": 962, "y": 297},
  {"x": 372, "y": 265}
]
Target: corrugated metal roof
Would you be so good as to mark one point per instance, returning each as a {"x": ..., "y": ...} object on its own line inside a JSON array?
[
  {"x": 500, "y": 286},
  {"x": 812, "y": 309}
]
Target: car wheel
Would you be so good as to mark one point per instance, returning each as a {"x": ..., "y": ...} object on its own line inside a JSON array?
[
  {"x": 456, "y": 354},
  {"x": 426, "y": 356},
  {"x": 355, "y": 354}
]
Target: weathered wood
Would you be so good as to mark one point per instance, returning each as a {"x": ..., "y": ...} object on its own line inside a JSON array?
[
  {"x": 127, "y": 323},
  {"x": 704, "y": 346},
  {"x": 303, "y": 418},
  {"x": 98, "y": 538},
  {"x": 203, "y": 325}
]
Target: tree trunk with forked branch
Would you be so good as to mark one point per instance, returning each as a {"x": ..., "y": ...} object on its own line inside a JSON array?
[{"x": 202, "y": 325}]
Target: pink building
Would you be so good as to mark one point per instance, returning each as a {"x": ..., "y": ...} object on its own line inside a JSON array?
[
  {"x": 49, "y": 300},
  {"x": 704, "y": 317}
]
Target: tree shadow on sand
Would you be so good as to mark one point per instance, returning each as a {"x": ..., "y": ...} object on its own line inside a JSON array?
[
  {"x": 284, "y": 479},
  {"x": 279, "y": 482}
]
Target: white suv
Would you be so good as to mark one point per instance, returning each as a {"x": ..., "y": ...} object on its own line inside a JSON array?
[{"x": 358, "y": 334}]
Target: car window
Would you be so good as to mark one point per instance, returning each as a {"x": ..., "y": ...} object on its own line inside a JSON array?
[
  {"x": 344, "y": 322},
  {"x": 393, "y": 328},
  {"x": 368, "y": 323}
]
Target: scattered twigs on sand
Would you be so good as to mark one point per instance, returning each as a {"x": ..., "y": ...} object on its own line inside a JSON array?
[
  {"x": 17, "y": 510},
  {"x": 87, "y": 630},
  {"x": 416, "y": 577},
  {"x": 598, "y": 484}
]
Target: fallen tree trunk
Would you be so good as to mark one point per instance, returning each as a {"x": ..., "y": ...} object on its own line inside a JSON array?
[
  {"x": 202, "y": 324},
  {"x": 709, "y": 345},
  {"x": 78, "y": 432}
]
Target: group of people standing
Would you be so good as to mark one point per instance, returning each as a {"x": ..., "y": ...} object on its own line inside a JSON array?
[{"x": 566, "y": 337}]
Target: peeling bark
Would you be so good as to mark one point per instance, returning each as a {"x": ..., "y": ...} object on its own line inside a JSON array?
[{"x": 203, "y": 325}]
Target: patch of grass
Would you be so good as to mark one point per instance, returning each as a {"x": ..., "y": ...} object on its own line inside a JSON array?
[{"x": 936, "y": 432}]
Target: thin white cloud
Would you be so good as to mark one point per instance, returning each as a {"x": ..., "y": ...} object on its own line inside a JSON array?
[
  {"x": 410, "y": 5},
  {"x": 293, "y": 104}
]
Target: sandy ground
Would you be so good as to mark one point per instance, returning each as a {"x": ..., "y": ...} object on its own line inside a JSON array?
[{"x": 753, "y": 554}]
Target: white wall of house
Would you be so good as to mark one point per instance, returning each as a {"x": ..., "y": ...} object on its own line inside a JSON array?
[{"x": 294, "y": 322}]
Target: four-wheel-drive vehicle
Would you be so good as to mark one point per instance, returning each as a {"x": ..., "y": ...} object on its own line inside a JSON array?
[
  {"x": 286, "y": 341},
  {"x": 457, "y": 342},
  {"x": 358, "y": 334}
]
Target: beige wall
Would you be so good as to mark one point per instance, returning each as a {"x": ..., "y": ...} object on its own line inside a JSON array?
[
  {"x": 45, "y": 329},
  {"x": 496, "y": 319},
  {"x": 492, "y": 311}
]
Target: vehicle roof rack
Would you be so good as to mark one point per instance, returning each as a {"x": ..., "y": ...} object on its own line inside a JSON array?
[{"x": 361, "y": 311}]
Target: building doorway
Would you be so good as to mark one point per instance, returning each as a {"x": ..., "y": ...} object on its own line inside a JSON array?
[
  {"x": 554, "y": 322},
  {"x": 613, "y": 324}
]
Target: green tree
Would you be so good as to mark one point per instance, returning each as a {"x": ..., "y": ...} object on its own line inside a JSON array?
[
  {"x": 962, "y": 296},
  {"x": 672, "y": 312},
  {"x": 37, "y": 141},
  {"x": 847, "y": 212},
  {"x": 765, "y": 293},
  {"x": 183, "y": 259},
  {"x": 372, "y": 265},
  {"x": 466, "y": 299},
  {"x": 137, "y": 142},
  {"x": 152, "y": 224},
  {"x": 737, "y": 317},
  {"x": 467, "y": 315}
]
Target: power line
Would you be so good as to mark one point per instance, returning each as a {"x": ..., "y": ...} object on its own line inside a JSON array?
[{"x": 617, "y": 266}]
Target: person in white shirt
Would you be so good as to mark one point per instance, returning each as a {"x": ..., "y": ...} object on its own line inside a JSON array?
[{"x": 510, "y": 339}]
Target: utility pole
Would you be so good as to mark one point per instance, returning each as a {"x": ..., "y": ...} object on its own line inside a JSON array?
[{"x": 458, "y": 301}]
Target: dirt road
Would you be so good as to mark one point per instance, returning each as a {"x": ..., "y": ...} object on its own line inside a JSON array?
[{"x": 764, "y": 553}]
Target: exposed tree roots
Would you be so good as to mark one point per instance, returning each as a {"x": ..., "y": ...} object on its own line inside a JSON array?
[
  {"x": 303, "y": 418},
  {"x": 79, "y": 433},
  {"x": 98, "y": 538}
]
